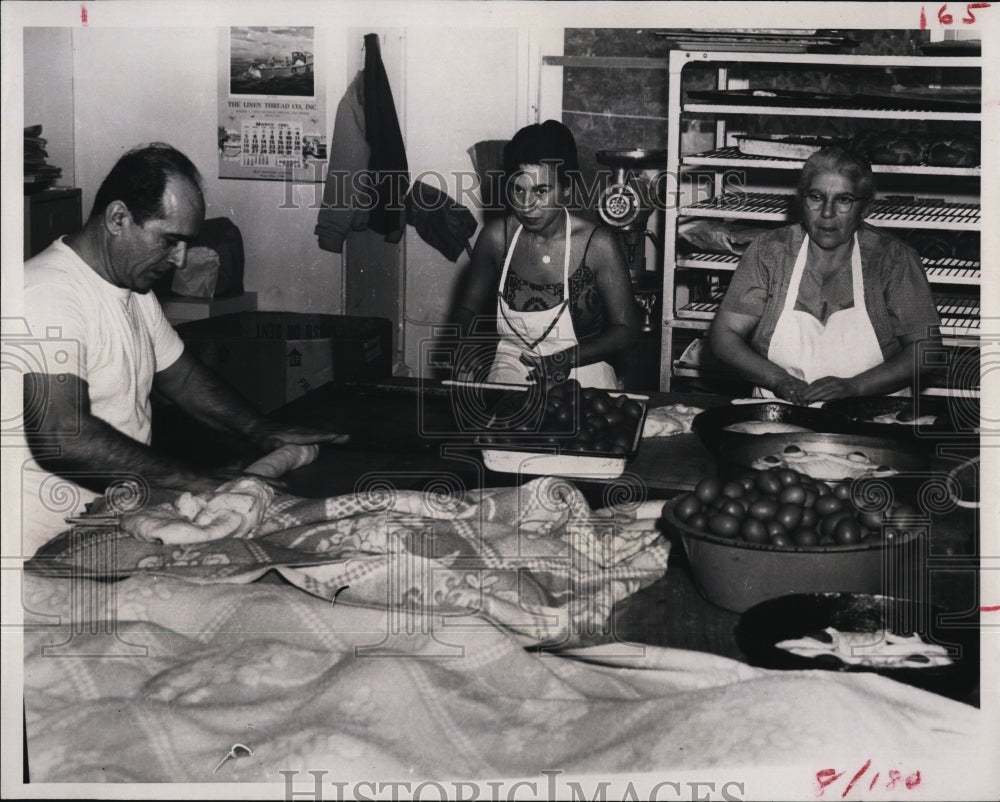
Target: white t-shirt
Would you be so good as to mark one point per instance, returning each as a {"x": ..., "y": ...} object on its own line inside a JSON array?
[{"x": 112, "y": 338}]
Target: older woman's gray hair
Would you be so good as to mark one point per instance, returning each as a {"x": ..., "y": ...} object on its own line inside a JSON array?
[{"x": 837, "y": 159}]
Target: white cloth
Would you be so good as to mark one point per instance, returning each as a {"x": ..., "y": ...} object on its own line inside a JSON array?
[
  {"x": 844, "y": 346},
  {"x": 112, "y": 338},
  {"x": 540, "y": 333}
]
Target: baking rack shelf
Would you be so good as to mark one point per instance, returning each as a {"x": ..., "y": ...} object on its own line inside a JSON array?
[
  {"x": 733, "y": 157},
  {"x": 885, "y": 212},
  {"x": 765, "y": 196},
  {"x": 842, "y": 110},
  {"x": 959, "y": 316},
  {"x": 939, "y": 271}
]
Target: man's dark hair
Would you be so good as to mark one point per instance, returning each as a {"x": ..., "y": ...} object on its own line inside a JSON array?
[{"x": 139, "y": 178}]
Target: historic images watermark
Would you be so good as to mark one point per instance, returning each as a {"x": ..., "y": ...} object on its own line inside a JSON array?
[
  {"x": 364, "y": 190},
  {"x": 553, "y": 784}
]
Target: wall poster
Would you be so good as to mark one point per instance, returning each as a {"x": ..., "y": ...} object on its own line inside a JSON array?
[{"x": 271, "y": 105}]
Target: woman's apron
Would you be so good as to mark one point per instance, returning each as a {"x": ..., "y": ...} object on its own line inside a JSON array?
[
  {"x": 844, "y": 346},
  {"x": 540, "y": 333}
]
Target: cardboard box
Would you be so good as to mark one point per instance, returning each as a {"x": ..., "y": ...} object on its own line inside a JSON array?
[
  {"x": 178, "y": 309},
  {"x": 273, "y": 358}
]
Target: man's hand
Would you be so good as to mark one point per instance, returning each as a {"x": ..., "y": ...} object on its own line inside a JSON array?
[
  {"x": 269, "y": 436},
  {"x": 828, "y": 388}
]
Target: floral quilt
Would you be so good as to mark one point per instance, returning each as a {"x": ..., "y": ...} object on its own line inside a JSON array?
[{"x": 437, "y": 642}]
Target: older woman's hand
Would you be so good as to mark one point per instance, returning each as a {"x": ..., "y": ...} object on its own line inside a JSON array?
[
  {"x": 829, "y": 388},
  {"x": 790, "y": 389}
]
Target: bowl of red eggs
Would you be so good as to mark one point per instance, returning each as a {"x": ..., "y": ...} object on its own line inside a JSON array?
[{"x": 767, "y": 533}]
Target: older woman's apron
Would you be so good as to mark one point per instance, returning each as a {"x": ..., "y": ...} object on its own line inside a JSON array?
[
  {"x": 844, "y": 346},
  {"x": 540, "y": 333}
]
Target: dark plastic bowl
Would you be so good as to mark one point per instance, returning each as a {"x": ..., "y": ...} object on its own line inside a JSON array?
[
  {"x": 763, "y": 626},
  {"x": 736, "y": 575}
]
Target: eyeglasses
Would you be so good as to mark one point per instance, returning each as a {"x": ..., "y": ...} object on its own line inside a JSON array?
[{"x": 842, "y": 203}]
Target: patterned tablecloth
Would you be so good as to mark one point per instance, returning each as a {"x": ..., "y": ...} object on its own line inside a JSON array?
[{"x": 433, "y": 642}]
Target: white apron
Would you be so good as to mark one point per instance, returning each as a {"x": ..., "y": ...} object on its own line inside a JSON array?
[
  {"x": 844, "y": 346},
  {"x": 541, "y": 333}
]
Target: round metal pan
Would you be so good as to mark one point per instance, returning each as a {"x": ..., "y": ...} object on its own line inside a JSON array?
[
  {"x": 898, "y": 454},
  {"x": 711, "y": 424},
  {"x": 952, "y": 415},
  {"x": 919, "y": 473}
]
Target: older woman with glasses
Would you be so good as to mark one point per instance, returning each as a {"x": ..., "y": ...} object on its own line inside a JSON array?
[{"x": 829, "y": 307}]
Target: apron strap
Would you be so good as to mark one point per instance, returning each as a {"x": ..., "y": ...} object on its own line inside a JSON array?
[
  {"x": 548, "y": 329},
  {"x": 559, "y": 309}
]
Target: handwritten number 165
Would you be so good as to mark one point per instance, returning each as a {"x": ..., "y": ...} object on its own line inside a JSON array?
[{"x": 947, "y": 19}]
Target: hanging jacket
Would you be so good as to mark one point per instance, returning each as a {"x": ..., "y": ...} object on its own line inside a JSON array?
[
  {"x": 387, "y": 161},
  {"x": 368, "y": 175}
]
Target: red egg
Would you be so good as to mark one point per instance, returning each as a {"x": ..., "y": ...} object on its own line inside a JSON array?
[
  {"x": 763, "y": 509},
  {"x": 789, "y": 516},
  {"x": 805, "y": 537},
  {"x": 733, "y": 490},
  {"x": 788, "y": 476},
  {"x": 847, "y": 532},
  {"x": 828, "y": 505},
  {"x": 734, "y": 507},
  {"x": 724, "y": 525},
  {"x": 769, "y": 482},
  {"x": 708, "y": 489},
  {"x": 792, "y": 494},
  {"x": 686, "y": 506},
  {"x": 754, "y": 531}
]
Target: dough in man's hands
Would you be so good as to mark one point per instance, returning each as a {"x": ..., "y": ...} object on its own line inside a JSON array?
[{"x": 234, "y": 510}]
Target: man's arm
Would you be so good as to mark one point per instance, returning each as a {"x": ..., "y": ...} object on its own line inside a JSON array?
[
  {"x": 65, "y": 437},
  {"x": 208, "y": 399}
]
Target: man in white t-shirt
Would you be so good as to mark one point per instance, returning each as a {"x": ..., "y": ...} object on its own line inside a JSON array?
[{"x": 88, "y": 407}]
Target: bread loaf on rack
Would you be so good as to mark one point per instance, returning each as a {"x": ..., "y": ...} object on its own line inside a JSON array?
[
  {"x": 965, "y": 245},
  {"x": 890, "y": 147},
  {"x": 958, "y": 151},
  {"x": 931, "y": 244}
]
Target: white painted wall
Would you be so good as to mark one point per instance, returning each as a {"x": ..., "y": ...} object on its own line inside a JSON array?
[
  {"x": 463, "y": 86},
  {"x": 106, "y": 89},
  {"x": 48, "y": 94},
  {"x": 139, "y": 85}
]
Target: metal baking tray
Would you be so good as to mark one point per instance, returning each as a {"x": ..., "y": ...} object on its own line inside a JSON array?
[{"x": 527, "y": 455}]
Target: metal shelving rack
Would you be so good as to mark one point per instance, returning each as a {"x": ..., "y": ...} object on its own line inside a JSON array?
[{"x": 959, "y": 313}]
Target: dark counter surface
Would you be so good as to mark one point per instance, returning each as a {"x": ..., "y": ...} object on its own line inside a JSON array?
[{"x": 416, "y": 433}]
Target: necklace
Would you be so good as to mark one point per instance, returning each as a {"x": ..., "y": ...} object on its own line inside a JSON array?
[{"x": 546, "y": 258}]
